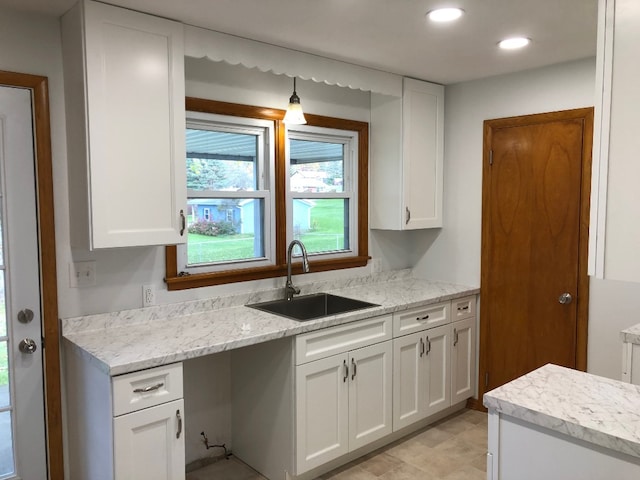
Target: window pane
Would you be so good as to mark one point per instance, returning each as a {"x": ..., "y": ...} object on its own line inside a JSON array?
[
  {"x": 3, "y": 307},
  {"x": 221, "y": 160},
  {"x": 321, "y": 224},
  {"x": 224, "y": 229},
  {"x": 4, "y": 375},
  {"x": 316, "y": 166},
  {"x": 6, "y": 444}
]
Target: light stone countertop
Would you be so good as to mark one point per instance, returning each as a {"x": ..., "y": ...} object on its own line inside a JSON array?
[
  {"x": 122, "y": 342},
  {"x": 631, "y": 334},
  {"x": 594, "y": 409}
]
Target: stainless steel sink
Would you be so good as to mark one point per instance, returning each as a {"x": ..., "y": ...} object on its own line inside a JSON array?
[{"x": 309, "y": 307}]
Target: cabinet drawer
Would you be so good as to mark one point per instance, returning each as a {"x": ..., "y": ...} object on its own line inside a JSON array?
[
  {"x": 334, "y": 340},
  {"x": 463, "y": 308},
  {"x": 137, "y": 390},
  {"x": 421, "y": 318}
]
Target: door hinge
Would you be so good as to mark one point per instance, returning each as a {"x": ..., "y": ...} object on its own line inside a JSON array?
[
  {"x": 486, "y": 379},
  {"x": 490, "y": 157}
]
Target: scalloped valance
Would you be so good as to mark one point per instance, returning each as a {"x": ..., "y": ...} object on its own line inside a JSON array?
[{"x": 221, "y": 47}]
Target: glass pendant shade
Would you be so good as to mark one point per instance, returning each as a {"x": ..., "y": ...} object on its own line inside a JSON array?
[{"x": 294, "y": 115}]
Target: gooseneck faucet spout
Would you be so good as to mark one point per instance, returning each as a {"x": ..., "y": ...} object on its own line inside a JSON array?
[{"x": 289, "y": 289}]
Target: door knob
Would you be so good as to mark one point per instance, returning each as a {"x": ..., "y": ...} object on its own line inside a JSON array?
[
  {"x": 565, "y": 298},
  {"x": 27, "y": 345},
  {"x": 25, "y": 316}
]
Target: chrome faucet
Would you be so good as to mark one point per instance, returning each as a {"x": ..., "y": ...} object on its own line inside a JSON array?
[{"x": 289, "y": 289}]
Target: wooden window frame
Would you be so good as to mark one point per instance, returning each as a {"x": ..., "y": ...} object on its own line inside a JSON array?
[{"x": 177, "y": 281}]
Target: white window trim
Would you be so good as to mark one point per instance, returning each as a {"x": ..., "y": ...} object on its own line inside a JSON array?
[
  {"x": 265, "y": 186},
  {"x": 348, "y": 138}
]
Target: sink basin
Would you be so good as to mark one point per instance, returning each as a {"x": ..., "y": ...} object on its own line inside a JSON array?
[{"x": 309, "y": 307}]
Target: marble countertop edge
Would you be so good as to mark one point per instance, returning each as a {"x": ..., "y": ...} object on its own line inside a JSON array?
[{"x": 631, "y": 334}]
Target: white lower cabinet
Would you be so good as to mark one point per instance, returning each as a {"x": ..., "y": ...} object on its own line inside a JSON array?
[
  {"x": 149, "y": 444},
  {"x": 343, "y": 402},
  {"x": 422, "y": 379},
  {"x": 127, "y": 427},
  {"x": 433, "y": 368}
]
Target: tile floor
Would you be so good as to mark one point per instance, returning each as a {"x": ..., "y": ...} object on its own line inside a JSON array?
[{"x": 451, "y": 449}]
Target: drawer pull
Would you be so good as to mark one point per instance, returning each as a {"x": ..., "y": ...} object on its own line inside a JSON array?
[
  {"x": 346, "y": 371},
  {"x": 353, "y": 364},
  {"x": 150, "y": 388},
  {"x": 179, "y": 424},
  {"x": 466, "y": 307},
  {"x": 426, "y": 317}
]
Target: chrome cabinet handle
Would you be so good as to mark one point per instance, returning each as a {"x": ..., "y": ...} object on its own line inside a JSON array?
[
  {"x": 353, "y": 364},
  {"x": 408, "y": 212},
  {"x": 179, "y": 424},
  {"x": 421, "y": 347},
  {"x": 428, "y": 346},
  {"x": 346, "y": 371},
  {"x": 183, "y": 223},
  {"x": 455, "y": 337},
  {"x": 150, "y": 388},
  {"x": 565, "y": 298}
]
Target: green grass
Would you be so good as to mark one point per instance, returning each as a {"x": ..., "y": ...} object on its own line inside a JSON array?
[
  {"x": 4, "y": 364},
  {"x": 327, "y": 219}
]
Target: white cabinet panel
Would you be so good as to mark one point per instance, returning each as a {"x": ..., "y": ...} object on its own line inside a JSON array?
[
  {"x": 463, "y": 360},
  {"x": 438, "y": 369},
  {"x": 370, "y": 400},
  {"x": 408, "y": 379},
  {"x": 407, "y": 136},
  {"x": 149, "y": 443},
  {"x": 322, "y": 401},
  {"x": 124, "y": 87}
]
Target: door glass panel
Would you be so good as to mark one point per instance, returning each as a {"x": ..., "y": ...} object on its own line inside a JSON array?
[
  {"x": 221, "y": 160},
  {"x": 5, "y": 401},
  {"x": 322, "y": 224},
  {"x": 3, "y": 306},
  {"x": 6, "y": 444},
  {"x": 316, "y": 166},
  {"x": 224, "y": 229}
]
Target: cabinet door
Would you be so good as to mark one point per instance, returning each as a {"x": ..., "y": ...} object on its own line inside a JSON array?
[
  {"x": 438, "y": 369},
  {"x": 322, "y": 403},
  {"x": 408, "y": 379},
  {"x": 463, "y": 360},
  {"x": 136, "y": 129},
  {"x": 422, "y": 145},
  {"x": 370, "y": 387},
  {"x": 149, "y": 443}
]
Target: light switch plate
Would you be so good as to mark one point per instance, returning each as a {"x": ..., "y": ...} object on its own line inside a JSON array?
[{"x": 82, "y": 274}]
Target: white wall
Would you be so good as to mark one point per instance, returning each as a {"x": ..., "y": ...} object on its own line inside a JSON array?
[{"x": 454, "y": 252}]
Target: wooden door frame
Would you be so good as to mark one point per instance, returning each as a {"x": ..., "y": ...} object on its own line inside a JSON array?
[
  {"x": 586, "y": 115},
  {"x": 47, "y": 261}
]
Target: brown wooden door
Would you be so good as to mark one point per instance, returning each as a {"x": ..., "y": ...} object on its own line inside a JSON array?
[{"x": 535, "y": 214}]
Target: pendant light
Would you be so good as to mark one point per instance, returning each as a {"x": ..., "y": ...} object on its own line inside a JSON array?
[{"x": 294, "y": 115}]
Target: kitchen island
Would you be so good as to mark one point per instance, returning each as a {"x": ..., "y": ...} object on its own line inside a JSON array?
[{"x": 558, "y": 423}]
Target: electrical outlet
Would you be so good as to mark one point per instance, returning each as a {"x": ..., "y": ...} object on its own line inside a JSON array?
[
  {"x": 148, "y": 295},
  {"x": 82, "y": 274}
]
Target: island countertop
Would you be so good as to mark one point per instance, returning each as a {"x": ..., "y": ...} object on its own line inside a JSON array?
[
  {"x": 594, "y": 409},
  {"x": 631, "y": 334},
  {"x": 122, "y": 342}
]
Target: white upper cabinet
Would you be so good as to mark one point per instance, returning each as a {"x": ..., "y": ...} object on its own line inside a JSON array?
[
  {"x": 124, "y": 89},
  {"x": 407, "y": 137},
  {"x": 615, "y": 202}
]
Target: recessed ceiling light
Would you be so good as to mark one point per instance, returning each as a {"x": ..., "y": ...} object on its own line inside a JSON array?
[
  {"x": 445, "y": 14},
  {"x": 514, "y": 43}
]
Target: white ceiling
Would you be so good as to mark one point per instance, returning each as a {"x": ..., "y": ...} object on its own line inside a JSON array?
[{"x": 391, "y": 35}]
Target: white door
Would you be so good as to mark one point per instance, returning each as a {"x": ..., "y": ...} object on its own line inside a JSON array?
[
  {"x": 370, "y": 370},
  {"x": 148, "y": 443},
  {"x": 322, "y": 403},
  {"x": 22, "y": 431}
]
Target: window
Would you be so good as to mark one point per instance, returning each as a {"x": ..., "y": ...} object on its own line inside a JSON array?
[{"x": 253, "y": 186}]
